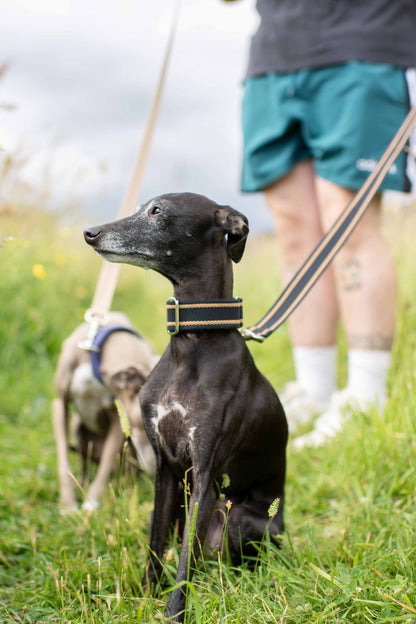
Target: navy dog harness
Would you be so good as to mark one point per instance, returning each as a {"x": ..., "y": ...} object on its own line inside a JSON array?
[{"x": 97, "y": 344}]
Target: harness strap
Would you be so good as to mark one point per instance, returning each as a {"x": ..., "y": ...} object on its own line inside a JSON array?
[
  {"x": 201, "y": 315},
  {"x": 97, "y": 345},
  {"x": 332, "y": 242}
]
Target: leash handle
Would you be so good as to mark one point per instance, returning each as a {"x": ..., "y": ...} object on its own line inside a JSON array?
[
  {"x": 332, "y": 242},
  {"x": 108, "y": 277}
]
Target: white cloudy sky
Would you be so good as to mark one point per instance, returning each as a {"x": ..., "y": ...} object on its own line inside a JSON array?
[{"x": 82, "y": 75}]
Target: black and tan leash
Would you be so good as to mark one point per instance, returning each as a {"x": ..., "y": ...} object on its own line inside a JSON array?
[{"x": 332, "y": 242}]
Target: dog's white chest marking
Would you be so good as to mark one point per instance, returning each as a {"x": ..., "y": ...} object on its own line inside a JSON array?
[
  {"x": 90, "y": 397},
  {"x": 191, "y": 434},
  {"x": 161, "y": 411},
  {"x": 173, "y": 427}
]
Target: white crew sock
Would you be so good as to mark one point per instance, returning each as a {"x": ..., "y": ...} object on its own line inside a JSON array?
[
  {"x": 367, "y": 374},
  {"x": 315, "y": 369}
]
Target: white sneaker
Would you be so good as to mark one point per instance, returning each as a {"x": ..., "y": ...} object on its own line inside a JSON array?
[
  {"x": 343, "y": 404},
  {"x": 299, "y": 408}
]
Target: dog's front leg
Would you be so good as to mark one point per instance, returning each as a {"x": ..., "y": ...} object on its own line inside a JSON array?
[
  {"x": 166, "y": 488},
  {"x": 60, "y": 418},
  {"x": 201, "y": 507},
  {"x": 112, "y": 447}
]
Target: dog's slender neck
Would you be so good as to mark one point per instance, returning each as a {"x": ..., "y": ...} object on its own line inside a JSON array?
[{"x": 211, "y": 283}]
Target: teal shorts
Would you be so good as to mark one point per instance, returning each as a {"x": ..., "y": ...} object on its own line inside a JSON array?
[{"x": 342, "y": 117}]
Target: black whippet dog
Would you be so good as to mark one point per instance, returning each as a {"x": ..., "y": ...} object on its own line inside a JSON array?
[{"x": 211, "y": 416}]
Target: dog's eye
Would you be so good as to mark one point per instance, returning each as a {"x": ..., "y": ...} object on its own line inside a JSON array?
[{"x": 155, "y": 210}]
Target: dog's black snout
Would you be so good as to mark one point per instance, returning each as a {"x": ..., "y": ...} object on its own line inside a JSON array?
[{"x": 91, "y": 233}]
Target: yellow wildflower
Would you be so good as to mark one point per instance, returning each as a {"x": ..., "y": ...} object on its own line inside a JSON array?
[{"x": 39, "y": 271}]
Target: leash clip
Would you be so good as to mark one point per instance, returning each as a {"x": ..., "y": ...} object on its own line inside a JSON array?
[
  {"x": 247, "y": 334},
  {"x": 95, "y": 321},
  {"x": 175, "y": 302}
]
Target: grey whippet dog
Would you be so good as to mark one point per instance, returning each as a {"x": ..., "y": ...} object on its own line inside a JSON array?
[
  {"x": 211, "y": 416},
  {"x": 85, "y": 404}
]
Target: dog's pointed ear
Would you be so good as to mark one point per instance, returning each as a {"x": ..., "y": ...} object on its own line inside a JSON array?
[{"x": 235, "y": 226}]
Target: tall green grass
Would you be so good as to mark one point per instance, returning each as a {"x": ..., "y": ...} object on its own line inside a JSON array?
[{"x": 349, "y": 550}]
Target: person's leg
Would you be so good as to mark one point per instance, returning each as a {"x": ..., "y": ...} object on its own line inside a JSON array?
[
  {"x": 365, "y": 279},
  {"x": 294, "y": 207},
  {"x": 353, "y": 112},
  {"x": 366, "y": 286},
  {"x": 293, "y": 204}
]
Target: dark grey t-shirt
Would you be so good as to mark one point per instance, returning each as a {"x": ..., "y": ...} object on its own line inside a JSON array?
[{"x": 297, "y": 34}]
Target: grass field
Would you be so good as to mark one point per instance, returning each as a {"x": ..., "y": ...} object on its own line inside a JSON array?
[{"x": 349, "y": 551}]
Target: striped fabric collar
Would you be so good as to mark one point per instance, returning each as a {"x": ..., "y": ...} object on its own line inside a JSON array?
[{"x": 203, "y": 315}]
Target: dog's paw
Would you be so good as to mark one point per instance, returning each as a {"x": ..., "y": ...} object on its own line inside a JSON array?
[
  {"x": 90, "y": 505},
  {"x": 67, "y": 507}
]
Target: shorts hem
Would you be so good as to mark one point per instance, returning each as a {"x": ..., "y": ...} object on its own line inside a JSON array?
[
  {"x": 356, "y": 186},
  {"x": 254, "y": 188}
]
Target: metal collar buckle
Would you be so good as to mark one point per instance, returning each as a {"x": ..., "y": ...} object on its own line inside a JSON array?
[{"x": 173, "y": 301}]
